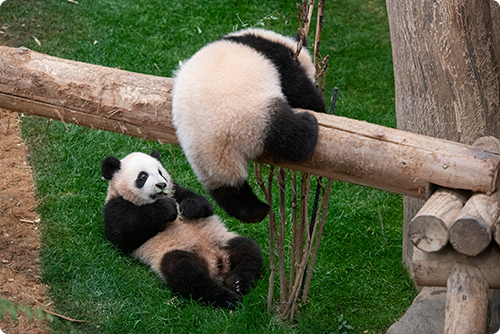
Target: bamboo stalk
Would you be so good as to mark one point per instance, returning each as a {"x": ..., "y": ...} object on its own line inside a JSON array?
[
  {"x": 281, "y": 236},
  {"x": 312, "y": 263},
  {"x": 272, "y": 263},
  {"x": 294, "y": 245}
]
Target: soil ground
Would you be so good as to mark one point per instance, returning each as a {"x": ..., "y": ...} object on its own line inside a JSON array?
[{"x": 20, "y": 275}]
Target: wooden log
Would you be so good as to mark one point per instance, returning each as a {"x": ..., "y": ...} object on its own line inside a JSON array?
[
  {"x": 494, "y": 306},
  {"x": 433, "y": 269},
  {"x": 429, "y": 228},
  {"x": 466, "y": 301},
  {"x": 471, "y": 232},
  {"x": 139, "y": 105},
  {"x": 496, "y": 231}
]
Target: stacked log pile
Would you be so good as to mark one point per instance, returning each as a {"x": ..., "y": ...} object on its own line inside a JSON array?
[{"x": 456, "y": 236}]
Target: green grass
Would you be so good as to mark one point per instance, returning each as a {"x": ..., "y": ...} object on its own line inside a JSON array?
[{"x": 358, "y": 274}]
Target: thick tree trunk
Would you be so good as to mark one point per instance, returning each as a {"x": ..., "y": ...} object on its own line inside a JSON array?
[{"x": 446, "y": 67}]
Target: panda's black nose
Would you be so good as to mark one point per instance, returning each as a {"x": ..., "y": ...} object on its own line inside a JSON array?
[{"x": 161, "y": 185}]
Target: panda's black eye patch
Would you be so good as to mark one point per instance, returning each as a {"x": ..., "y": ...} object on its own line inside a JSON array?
[{"x": 141, "y": 179}]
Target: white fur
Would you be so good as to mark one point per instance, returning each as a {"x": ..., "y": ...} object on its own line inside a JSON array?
[
  {"x": 220, "y": 106},
  {"x": 304, "y": 56},
  {"x": 205, "y": 237},
  {"x": 123, "y": 181}
]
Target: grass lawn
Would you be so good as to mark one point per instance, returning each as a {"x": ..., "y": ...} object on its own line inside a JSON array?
[{"x": 358, "y": 278}]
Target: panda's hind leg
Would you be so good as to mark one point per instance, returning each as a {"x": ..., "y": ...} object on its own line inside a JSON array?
[
  {"x": 240, "y": 202},
  {"x": 245, "y": 260},
  {"x": 291, "y": 136},
  {"x": 187, "y": 274}
]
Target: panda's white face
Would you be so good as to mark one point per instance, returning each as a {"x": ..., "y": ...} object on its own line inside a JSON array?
[{"x": 141, "y": 179}]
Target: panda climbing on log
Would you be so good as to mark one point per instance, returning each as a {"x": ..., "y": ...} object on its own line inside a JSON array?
[
  {"x": 174, "y": 231},
  {"x": 232, "y": 101}
]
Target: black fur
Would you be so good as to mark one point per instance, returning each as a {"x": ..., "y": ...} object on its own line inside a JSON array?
[
  {"x": 187, "y": 274},
  {"x": 128, "y": 226},
  {"x": 155, "y": 154},
  {"x": 296, "y": 86},
  {"x": 141, "y": 179},
  {"x": 109, "y": 166},
  {"x": 240, "y": 202},
  {"x": 245, "y": 258},
  {"x": 291, "y": 136},
  {"x": 304, "y": 42},
  {"x": 192, "y": 205}
]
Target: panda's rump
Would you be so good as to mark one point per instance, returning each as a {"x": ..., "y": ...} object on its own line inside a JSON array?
[
  {"x": 205, "y": 237},
  {"x": 221, "y": 110}
]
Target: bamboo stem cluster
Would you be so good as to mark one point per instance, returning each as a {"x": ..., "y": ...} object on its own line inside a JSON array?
[{"x": 305, "y": 241}]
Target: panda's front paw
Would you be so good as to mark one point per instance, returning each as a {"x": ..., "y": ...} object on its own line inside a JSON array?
[
  {"x": 168, "y": 209},
  {"x": 193, "y": 208}
]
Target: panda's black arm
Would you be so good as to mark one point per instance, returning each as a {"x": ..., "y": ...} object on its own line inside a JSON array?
[
  {"x": 192, "y": 205},
  {"x": 128, "y": 226}
]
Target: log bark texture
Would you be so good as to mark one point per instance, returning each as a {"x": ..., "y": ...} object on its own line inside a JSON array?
[
  {"x": 433, "y": 269},
  {"x": 139, "y": 105},
  {"x": 429, "y": 228},
  {"x": 446, "y": 69},
  {"x": 471, "y": 232},
  {"x": 466, "y": 301}
]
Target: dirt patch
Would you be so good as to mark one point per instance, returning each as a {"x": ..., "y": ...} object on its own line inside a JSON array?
[{"x": 20, "y": 275}]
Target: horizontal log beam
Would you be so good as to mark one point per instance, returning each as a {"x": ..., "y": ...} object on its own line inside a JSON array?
[
  {"x": 140, "y": 105},
  {"x": 433, "y": 269}
]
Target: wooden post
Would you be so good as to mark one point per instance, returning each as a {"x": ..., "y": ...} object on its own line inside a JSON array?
[
  {"x": 139, "y": 105},
  {"x": 429, "y": 229},
  {"x": 466, "y": 301}
]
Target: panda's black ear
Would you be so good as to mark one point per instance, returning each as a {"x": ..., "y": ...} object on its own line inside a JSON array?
[
  {"x": 297, "y": 39},
  {"x": 155, "y": 154},
  {"x": 109, "y": 166}
]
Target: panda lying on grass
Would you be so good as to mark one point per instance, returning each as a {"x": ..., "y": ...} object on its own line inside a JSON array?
[{"x": 174, "y": 231}]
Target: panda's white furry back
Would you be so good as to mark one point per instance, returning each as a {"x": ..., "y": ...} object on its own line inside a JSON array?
[
  {"x": 192, "y": 251},
  {"x": 232, "y": 101}
]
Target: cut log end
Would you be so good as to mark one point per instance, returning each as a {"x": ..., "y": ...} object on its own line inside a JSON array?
[
  {"x": 470, "y": 236},
  {"x": 428, "y": 233}
]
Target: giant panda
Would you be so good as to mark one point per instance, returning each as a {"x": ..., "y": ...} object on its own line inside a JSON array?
[
  {"x": 174, "y": 231},
  {"x": 232, "y": 101}
]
